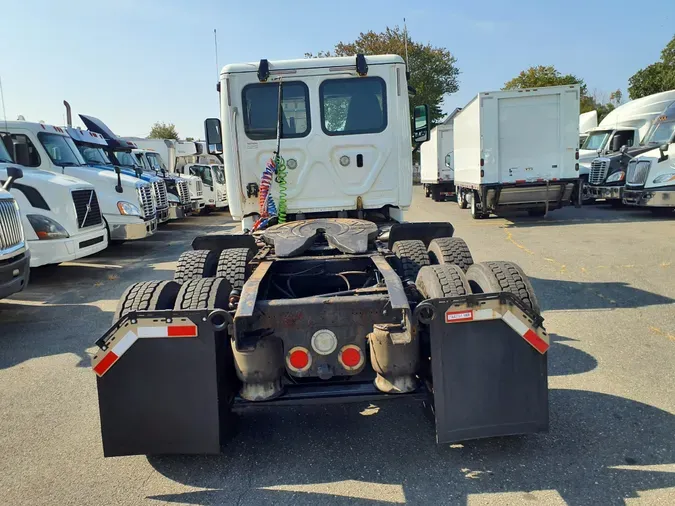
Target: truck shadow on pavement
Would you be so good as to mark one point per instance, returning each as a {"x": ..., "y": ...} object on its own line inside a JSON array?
[
  {"x": 564, "y": 360},
  {"x": 599, "y": 451},
  {"x": 556, "y": 294}
]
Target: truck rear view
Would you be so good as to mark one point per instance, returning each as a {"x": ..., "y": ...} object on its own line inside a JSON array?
[{"x": 517, "y": 150}]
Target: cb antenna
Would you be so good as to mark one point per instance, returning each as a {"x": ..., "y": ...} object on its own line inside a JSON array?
[
  {"x": 405, "y": 43},
  {"x": 2, "y": 97},
  {"x": 215, "y": 43}
]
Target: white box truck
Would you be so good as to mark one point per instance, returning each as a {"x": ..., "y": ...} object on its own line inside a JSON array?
[
  {"x": 436, "y": 162},
  {"x": 517, "y": 149}
]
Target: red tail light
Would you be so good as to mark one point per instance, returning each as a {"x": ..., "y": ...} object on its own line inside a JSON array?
[
  {"x": 299, "y": 359},
  {"x": 576, "y": 155},
  {"x": 482, "y": 173},
  {"x": 351, "y": 357},
  {"x": 482, "y": 162}
]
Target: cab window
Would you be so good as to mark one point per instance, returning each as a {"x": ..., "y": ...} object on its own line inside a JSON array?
[
  {"x": 353, "y": 106},
  {"x": 261, "y": 110}
]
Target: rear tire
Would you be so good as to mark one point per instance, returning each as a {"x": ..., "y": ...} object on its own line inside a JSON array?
[
  {"x": 147, "y": 296},
  {"x": 461, "y": 201},
  {"x": 476, "y": 214},
  {"x": 437, "y": 281},
  {"x": 412, "y": 256},
  {"x": 196, "y": 265},
  {"x": 435, "y": 193},
  {"x": 490, "y": 277},
  {"x": 450, "y": 251},
  {"x": 233, "y": 265},
  {"x": 206, "y": 293}
]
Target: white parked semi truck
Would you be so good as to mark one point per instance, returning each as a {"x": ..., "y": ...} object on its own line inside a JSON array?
[
  {"x": 327, "y": 295},
  {"x": 517, "y": 149},
  {"x": 213, "y": 183},
  {"x": 650, "y": 178},
  {"x": 607, "y": 173},
  {"x": 437, "y": 161},
  {"x": 126, "y": 202},
  {"x": 587, "y": 121},
  {"x": 14, "y": 253},
  {"x": 60, "y": 215},
  {"x": 172, "y": 156}
]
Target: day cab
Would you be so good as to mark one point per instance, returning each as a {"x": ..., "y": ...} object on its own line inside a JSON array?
[
  {"x": 177, "y": 188},
  {"x": 60, "y": 214},
  {"x": 324, "y": 109},
  {"x": 213, "y": 180},
  {"x": 125, "y": 201}
]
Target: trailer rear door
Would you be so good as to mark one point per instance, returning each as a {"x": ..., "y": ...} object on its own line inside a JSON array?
[{"x": 530, "y": 146}]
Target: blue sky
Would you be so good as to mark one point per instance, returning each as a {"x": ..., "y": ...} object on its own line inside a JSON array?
[{"x": 150, "y": 60}]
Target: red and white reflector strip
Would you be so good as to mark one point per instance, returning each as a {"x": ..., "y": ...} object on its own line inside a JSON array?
[
  {"x": 538, "y": 342},
  {"x": 109, "y": 357}
]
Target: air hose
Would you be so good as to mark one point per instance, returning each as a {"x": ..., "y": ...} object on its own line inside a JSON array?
[{"x": 281, "y": 181}]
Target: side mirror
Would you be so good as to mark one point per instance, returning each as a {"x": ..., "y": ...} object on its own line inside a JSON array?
[
  {"x": 663, "y": 150},
  {"x": 623, "y": 150},
  {"x": 13, "y": 173},
  {"x": 616, "y": 144},
  {"x": 214, "y": 136},
  {"x": 421, "y": 124},
  {"x": 119, "y": 188}
]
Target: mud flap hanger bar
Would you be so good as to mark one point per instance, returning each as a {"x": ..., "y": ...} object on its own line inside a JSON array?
[{"x": 503, "y": 306}]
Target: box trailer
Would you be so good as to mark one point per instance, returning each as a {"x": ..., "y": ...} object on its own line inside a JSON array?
[
  {"x": 517, "y": 149},
  {"x": 436, "y": 172}
]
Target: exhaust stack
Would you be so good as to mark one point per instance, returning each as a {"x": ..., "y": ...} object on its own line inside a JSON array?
[{"x": 69, "y": 116}]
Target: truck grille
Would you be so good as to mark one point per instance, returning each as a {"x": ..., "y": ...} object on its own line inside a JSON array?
[
  {"x": 159, "y": 189},
  {"x": 598, "y": 171},
  {"x": 183, "y": 191},
  {"x": 10, "y": 225},
  {"x": 637, "y": 173},
  {"x": 87, "y": 208},
  {"x": 145, "y": 196}
]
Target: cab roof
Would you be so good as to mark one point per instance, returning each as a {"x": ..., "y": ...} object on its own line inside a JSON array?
[
  {"x": 35, "y": 127},
  {"x": 312, "y": 63}
]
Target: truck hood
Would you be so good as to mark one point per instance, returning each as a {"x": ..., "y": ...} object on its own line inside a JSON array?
[
  {"x": 46, "y": 178},
  {"x": 96, "y": 125}
]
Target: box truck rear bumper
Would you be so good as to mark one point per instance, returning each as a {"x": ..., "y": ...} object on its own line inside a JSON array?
[
  {"x": 663, "y": 197},
  {"x": 557, "y": 193}
]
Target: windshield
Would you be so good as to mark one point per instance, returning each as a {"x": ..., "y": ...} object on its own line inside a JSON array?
[
  {"x": 94, "y": 155},
  {"x": 141, "y": 161},
  {"x": 61, "y": 149},
  {"x": 204, "y": 172},
  {"x": 219, "y": 174},
  {"x": 125, "y": 158},
  {"x": 4, "y": 155},
  {"x": 155, "y": 161},
  {"x": 661, "y": 133},
  {"x": 596, "y": 140}
]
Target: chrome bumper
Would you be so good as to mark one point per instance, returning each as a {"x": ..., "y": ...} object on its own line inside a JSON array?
[
  {"x": 649, "y": 198},
  {"x": 198, "y": 205},
  {"x": 14, "y": 273},
  {"x": 133, "y": 231},
  {"x": 605, "y": 192}
]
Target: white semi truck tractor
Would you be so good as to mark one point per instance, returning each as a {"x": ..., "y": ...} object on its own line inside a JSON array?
[
  {"x": 327, "y": 295},
  {"x": 14, "y": 253}
]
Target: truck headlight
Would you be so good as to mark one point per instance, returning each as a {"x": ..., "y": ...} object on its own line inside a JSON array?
[
  {"x": 617, "y": 176},
  {"x": 128, "y": 209},
  {"x": 46, "y": 228},
  {"x": 664, "y": 178}
]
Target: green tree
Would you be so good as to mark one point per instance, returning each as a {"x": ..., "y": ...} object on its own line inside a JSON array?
[
  {"x": 540, "y": 76},
  {"x": 161, "y": 130},
  {"x": 655, "y": 78},
  {"x": 433, "y": 70},
  {"x": 190, "y": 139}
]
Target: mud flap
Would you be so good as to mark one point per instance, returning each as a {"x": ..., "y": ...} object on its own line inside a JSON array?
[
  {"x": 489, "y": 366},
  {"x": 160, "y": 383}
]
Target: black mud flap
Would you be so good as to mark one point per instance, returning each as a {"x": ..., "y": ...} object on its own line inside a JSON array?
[
  {"x": 160, "y": 388},
  {"x": 489, "y": 366}
]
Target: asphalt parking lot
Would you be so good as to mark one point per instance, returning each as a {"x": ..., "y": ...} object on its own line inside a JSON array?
[{"x": 604, "y": 278}]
